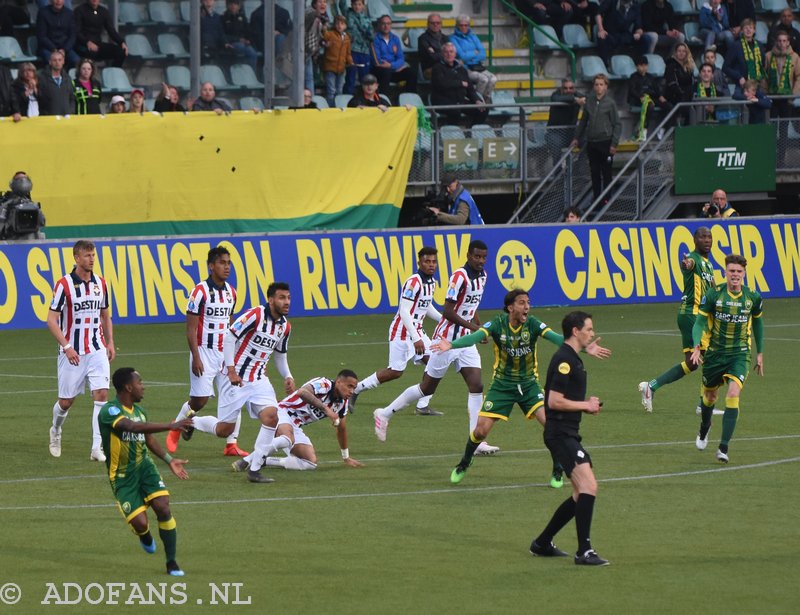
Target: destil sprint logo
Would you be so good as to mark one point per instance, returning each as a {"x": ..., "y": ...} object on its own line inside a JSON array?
[{"x": 728, "y": 158}]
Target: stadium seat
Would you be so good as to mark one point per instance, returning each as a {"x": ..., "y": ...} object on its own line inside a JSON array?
[
  {"x": 171, "y": 45},
  {"x": 163, "y": 13},
  {"x": 214, "y": 74},
  {"x": 72, "y": 72},
  {"x": 341, "y": 100},
  {"x": 411, "y": 98},
  {"x": 683, "y": 7},
  {"x": 33, "y": 45},
  {"x": 179, "y": 77},
  {"x": 592, "y": 66},
  {"x": 139, "y": 47},
  {"x": 131, "y": 14},
  {"x": 149, "y": 104},
  {"x": 691, "y": 29},
  {"x": 246, "y": 103},
  {"x": 378, "y": 8},
  {"x": 575, "y": 36},
  {"x": 774, "y": 6},
  {"x": 655, "y": 64},
  {"x": 543, "y": 41},
  {"x": 116, "y": 80},
  {"x": 243, "y": 76},
  {"x": 762, "y": 32},
  {"x": 413, "y": 38},
  {"x": 481, "y": 132},
  {"x": 622, "y": 66},
  {"x": 320, "y": 102},
  {"x": 501, "y": 97},
  {"x": 185, "y": 10},
  {"x": 12, "y": 52}
]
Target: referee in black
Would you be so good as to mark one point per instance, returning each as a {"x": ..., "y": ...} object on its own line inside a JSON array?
[{"x": 564, "y": 402}]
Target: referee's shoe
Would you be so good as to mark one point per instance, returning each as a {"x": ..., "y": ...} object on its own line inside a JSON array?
[
  {"x": 590, "y": 558},
  {"x": 548, "y": 550}
]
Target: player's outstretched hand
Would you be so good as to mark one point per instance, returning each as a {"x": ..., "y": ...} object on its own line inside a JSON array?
[
  {"x": 353, "y": 463},
  {"x": 441, "y": 345},
  {"x": 596, "y": 350},
  {"x": 687, "y": 263},
  {"x": 183, "y": 425},
  {"x": 759, "y": 367},
  {"x": 176, "y": 465}
]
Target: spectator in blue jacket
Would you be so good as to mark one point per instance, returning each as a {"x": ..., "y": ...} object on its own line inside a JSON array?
[
  {"x": 715, "y": 28},
  {"x": 55, "y": 29},
  {"x": 388, "y": 62},
  {"x": 470, "y": 51}
]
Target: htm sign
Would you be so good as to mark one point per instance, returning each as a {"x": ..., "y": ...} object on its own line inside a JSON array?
[{"x": 734, "y": 158}]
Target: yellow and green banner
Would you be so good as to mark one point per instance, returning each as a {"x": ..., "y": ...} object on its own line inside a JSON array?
[{"x": 200, "y": 173}]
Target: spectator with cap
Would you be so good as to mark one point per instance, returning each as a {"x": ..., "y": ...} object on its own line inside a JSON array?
[
  {"x": 367, "y": 95},
  {"x": 117, "y": 104},
  {"x": 137, "y": 102},
  {"x": 463, "y": 209},
  {"x": 91, "y": 19}
]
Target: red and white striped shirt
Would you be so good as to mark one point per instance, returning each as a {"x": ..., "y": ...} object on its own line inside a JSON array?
[
  {"x": 466, "y": 291},
  {"x": 214, "y": 306},
  {"x": 79, "y": 303},
  {"x": 258, "y": 335},
  {"x": 302, "y": 413},
  {"x": 417, "y": 290}
]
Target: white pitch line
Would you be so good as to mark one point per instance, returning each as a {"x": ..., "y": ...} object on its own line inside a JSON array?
[
  {"x": 443, "y": 491},
  {"x": 149, "y": 384}
]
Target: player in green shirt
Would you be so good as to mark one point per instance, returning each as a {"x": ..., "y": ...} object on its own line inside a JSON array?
[
  {"x": 698, "y": 278},
  {"x": 515, "y": 379},
  {"x": 135, "y": 481},
  {"x": 730, "y": 312}
]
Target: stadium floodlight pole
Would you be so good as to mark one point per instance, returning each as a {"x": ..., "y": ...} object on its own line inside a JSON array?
[
  {"x": 269, "y": 53},
  {"x": 194, "y": 49},
  {"x": 298, "y": 53}
]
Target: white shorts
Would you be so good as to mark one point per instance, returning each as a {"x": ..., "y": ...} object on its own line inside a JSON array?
[
  {"x": 203, "y": 386},
  {"x": 299, "y": 435},
  {"x": 402, "y": 351},
  {"x": 72, "y": 378},
  {"x": 458, "y": 357},
  {"x": 257, "y": 395}
]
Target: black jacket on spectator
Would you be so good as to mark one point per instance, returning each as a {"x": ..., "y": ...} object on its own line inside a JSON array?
[
  {"x": 677, "y": 82},
  {"x": 427, "y": 40},
  {"x": 739, "y": 10},
  {"x": 90, "y": 23},
  {"x": 55, "y": 99},
  {"x": 359, "y": 100},
  {"x": 201, "y": 105},
  {"x": 659, "y": 19},
  {"x": 163, "y": 105},
  {"x": 639, "y": 85},
  {"x": 212, "y": 32},
  {"x": 19, "y": 102},
  {"x": 235, "y": 26},
  {"x": 447, "y": 85},
  {"x": 283, "y": 24},
  {"x": 6, "y": 91},
  {"x": 55, "y": 30},
  {"x": 563, "y": 115}
]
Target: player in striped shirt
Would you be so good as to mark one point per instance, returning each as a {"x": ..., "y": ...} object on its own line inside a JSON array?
[
  {"x": 208, "y": 315},
  {"x": 730, "y": 313},
  {"x": 516, "y": 379},
  {"x": 407, "y": 337},
  {"x": 459, "y": 318},
  {"x": 256, "y": 336},
  {"x": 315, "y": 400},
  {"x": 135, "y": 480},
  {"x": 698, "y": 278},
  {"x": 80, "y": 320}
]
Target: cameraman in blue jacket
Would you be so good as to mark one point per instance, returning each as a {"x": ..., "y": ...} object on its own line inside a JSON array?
[{"x": 462, "y": 210}]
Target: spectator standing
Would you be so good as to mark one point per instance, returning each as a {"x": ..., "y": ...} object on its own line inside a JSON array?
[
  {"x": 470, "y": 51},
  {"x": 359, "y": 26},
  {"x": 450, "y": 85},
  {"x": 367, "y": 95},
  {"x": 91, "y": 19},
  {"x": 721, "y": 83},
  {"x": 782, "y": 77},
  {"x": 738, "y": 11},
  {"x": 87, "y": 90},
  {"x": 208, "y": 100},
  {"x": 283, "y": 26},
  {"x": 563, "y": 118},
  {"x": 55, "y": 30},
  {"x": 55, "y": 88},
  {"x": 25, "y": 93},
  {"x": 619, "y": 23},
  {"x": 784, "y": 24},
  {"x": 644, "y": 90},
  {"x": 715, "y": 27},
  {"x": 389, "y": 63},
  {"x": 758, "y": 103},
  {"x": 679, "y": 78},
  {"x": 429, "y": 44},
  {"x": 168, "y": 100},
  {"x": 316, "y": 18},
  {"x": 336, "y": 58},
  {"x": 745, "y": 58},
  {"x": 237, "y": 32},
  {"x": 661, "y": 25},
  {"x": 601, "y": 126},
  {"x": 706, "y": 89}
]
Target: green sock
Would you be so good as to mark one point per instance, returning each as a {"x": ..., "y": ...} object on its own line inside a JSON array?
[
  {"x": 169, "y": 536},
  {"x": 676, "y": 372},
  {"x": 728, "y": 425},
  {"x": 469, "y": 451}
]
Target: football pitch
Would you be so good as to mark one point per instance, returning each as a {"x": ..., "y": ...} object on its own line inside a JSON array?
[{"x": 683, "y": 534}]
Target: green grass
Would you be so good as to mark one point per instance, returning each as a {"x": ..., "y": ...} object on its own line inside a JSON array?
[{"x": 683, "y": 534}]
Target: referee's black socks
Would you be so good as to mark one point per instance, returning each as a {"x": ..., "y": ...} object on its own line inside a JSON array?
[{"x": 584, "y": 508}]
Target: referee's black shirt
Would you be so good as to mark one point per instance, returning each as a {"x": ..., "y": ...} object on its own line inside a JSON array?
[{"x": 567, "y": 376}]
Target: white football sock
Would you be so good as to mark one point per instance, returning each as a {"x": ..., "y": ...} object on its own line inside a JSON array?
[
  {"x": 59, "y": 416},
  {"x": 185, "y": 408},
  {"x": 274, "y": 461},
  {"x": 474, "y": 403},
  {"x": 424, "y": 401},
  {"x": 97, "y": 441},
  {"x": 278, "y": 444},
  {"x": 410, "y": 395},
  {"x": 263, "y": 440},
  {"x": 206, "y": 424},
  {"x": 296, "y": 463},
  {"x": 235, "y": 433},
  {"x": 370, "y": 382}
]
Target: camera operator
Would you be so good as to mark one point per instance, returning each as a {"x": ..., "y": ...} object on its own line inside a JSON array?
[
  {"x": 20, "y": 217},
  {"x": 719, "y": 207},
  {"x": 461, "y": 206}
]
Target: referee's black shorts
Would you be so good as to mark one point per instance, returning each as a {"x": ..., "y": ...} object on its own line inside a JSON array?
[{"x": 568, "y": 451}]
